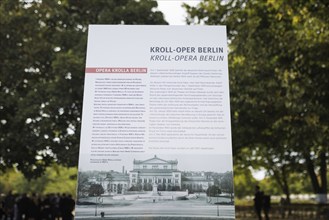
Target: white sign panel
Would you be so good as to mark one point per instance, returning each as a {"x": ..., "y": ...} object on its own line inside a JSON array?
[{"x": 156, "y": 133}]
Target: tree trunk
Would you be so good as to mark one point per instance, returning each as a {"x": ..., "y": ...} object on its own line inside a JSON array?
[
  {"x": 319, "y": 189},
  {"x": 282, "y": 180},
  {"x": 286, "y": 189},
  {"x": 323, "y": 172},
  {"x": 322, "y": 196},
  {"x": 312, "y": 174}
]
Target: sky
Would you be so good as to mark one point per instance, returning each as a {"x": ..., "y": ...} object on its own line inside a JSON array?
[{"x": 173, "y": 11}]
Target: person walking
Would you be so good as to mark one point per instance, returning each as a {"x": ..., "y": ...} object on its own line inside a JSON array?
[
  {"x": 266, "y": 206},
  {"x": 258, "y": 202},
  {"x": 8, "y": 206},
  {"x": 67, "y": 205}
]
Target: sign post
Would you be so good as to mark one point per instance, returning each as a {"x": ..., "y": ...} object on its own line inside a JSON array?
[{"x": 156, "y": 117}]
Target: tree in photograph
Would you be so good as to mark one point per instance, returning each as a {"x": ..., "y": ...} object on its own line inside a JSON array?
[
  {"x": 83, "y": 184},
  {"x": 95, "y": 190},
  {"x": 132, "y": 188},
  {"x": 42, "y": 53},
  {"x": 216, "y": 181},
  {"x": 226, "y": 182},
  {"x": 213, "y": 191},
  {"x": 160, "y": 187},
  {"x": 175, "y": 188},
  {"x": 139, "y": 187}
]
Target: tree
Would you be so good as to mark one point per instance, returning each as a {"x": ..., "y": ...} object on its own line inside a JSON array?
[
  {"x": 51, "y": 181},
  {"x": 95, "y": 190},
  {"x": 175, "y": 188},
  {"x": 83, "y": 184},
  {"x": 213, "y": 191},
  {"x": 226, "y": 183},
  {"x": 139, "y": 187},
  {"x": 42, "y": 53},
  {"x": 244, "y": 182},
  {"x": 278, "y": 81}
]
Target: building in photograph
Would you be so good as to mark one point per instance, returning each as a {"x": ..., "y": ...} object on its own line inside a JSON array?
[
  {"x": 155, "y": 171},
  {"x": 197, "y": 181},
  {"x": 112, "y": 182},
  {"x": 150, "y": 173},
  {"x": 117, "y": 183}
]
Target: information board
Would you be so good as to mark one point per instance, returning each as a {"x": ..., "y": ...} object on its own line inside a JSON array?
[{"x": 156, "y": 133}]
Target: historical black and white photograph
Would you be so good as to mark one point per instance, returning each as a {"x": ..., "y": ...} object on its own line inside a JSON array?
[{"x": 142, "y": 185}]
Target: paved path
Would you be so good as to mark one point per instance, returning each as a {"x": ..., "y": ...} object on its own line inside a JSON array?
[{"x": 185, "y": 209}]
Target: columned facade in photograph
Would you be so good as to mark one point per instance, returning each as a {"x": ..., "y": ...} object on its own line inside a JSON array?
[
  {"x": 117, "y": 183},
  {"x": 155, "y": 171},
  {"x": 197, "y": 181},
  {"x": 112, "y": 182}
]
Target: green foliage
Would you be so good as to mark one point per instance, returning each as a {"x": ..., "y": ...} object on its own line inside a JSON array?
[
  {"x": 270, "y": 187},
  {"x": 42, "y": 53},
  {"x": 297, "y": 186},
  {"x": 53, "y": 180},
  {"x": 279, "y": 84},
  {"x": 244, "y": 182}
]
